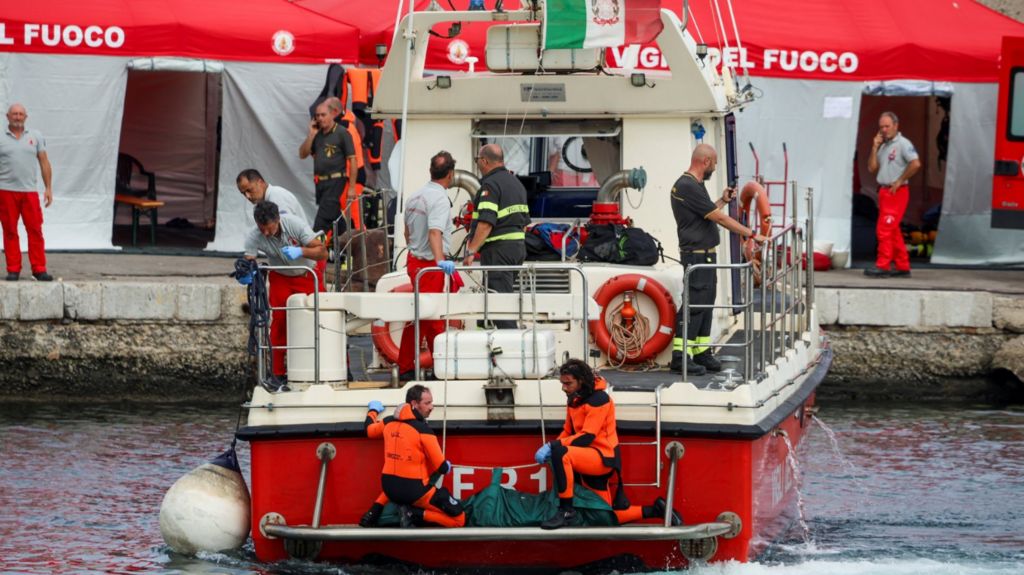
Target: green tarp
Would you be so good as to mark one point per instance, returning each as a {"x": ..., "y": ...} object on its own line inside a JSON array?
[{"x": 497, "y": 506}]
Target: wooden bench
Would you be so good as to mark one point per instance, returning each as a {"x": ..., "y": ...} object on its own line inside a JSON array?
[{"x": 140, "y": 206}]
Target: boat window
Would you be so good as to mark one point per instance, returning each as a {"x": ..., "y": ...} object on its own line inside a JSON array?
[
  {"x": 561, "y": 162},
  {"x": 1015, "y": 129}
]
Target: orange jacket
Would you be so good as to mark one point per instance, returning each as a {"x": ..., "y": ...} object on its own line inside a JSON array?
[
  {"x": 349, "y": 122},
  {"x": 364, "y": 83},
  {"x": 411, "y": 450},
  {"x": 590, "y": 422}
]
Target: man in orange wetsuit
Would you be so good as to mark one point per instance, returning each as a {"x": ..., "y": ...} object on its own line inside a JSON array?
[
  {"x": 411, "y": 457},
  {"x": 588, "y": 450}
]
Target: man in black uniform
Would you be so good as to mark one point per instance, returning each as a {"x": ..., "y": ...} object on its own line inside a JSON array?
[
  {"x": 334, "y": 162},
  {"x": 499, "y": 221},
  {"x": 697, "y": 221}
]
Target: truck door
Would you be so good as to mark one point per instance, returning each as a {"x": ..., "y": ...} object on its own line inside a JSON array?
[{"x": 1008, "y": 173}]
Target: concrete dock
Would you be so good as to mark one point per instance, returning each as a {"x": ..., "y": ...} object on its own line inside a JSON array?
[{"x": 139, "y": 326}]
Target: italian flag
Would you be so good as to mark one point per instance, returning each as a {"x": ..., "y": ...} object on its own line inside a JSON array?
[{"x": 600, "y": 23}]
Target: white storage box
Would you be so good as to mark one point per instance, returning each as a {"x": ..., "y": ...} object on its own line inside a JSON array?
[
  {"x": 333, "y": 360},
  {"x": 513, "y": 48},
  {"x": 466, "y": 354}
]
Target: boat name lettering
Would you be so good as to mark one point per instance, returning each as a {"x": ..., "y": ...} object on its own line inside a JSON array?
[
  {"x": 637, "y": 57},
  {"x": 467, "y": 480},
  {"x": 67, "y": 35}
]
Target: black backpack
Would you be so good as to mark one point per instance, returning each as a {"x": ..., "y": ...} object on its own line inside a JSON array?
[{"x": 617, "y": 244}]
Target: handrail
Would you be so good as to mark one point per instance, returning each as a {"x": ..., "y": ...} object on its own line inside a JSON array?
[
  {"x": 363, "y": 233},
  {"x": 780, "y": 322},
  {"x": 615, "y": 533},
  {"x": 532, "y": 268},
  {"x": 265, "y": 337},
  {"x": 746, "y": 269}
]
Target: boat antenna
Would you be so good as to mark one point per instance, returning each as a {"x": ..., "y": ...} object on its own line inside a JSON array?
[
  {"x": 410, "y": 38},
  {"x": 739, "y": 44}
]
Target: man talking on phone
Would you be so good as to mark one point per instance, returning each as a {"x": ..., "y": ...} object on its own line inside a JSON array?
[{"x": 893, "y": 161}]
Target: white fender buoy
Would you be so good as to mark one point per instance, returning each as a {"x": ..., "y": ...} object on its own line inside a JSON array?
[{"x": 207, "y": 509}]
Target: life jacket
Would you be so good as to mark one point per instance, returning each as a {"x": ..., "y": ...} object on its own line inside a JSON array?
[
  {"x": 348, "y": 121},
  {"x": 375, "y": 142},
  {"x": 411, "y": 450},
  {"x": 335, "y": 85},
  {"x": 590, "y": 422},
  {"x": 364, "y": 82}
]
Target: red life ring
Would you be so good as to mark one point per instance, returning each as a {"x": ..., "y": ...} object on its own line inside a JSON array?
[
  {"x": 386, "y": 345},
  {"x": 666, "y": 315}
]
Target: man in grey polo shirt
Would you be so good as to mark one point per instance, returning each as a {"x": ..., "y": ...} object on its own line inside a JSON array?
[
  {"x": 287, "y": 241},
  {"x": 255, "y": 189},
  {"x": 894, "y": 161},
  {"x": 20, "y": 150},
  {"x": 428, "y": 233}
]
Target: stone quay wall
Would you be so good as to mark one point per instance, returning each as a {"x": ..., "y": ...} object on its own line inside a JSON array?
[{"x": 137, "y": 341}]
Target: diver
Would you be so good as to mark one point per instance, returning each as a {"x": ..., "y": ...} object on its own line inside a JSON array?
[
  {"x": 412, "y": 461},
  {"x": 587, "y": 450}
]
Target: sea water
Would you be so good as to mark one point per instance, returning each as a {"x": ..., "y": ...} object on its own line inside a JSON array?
[{"x": 895, "y": 490}]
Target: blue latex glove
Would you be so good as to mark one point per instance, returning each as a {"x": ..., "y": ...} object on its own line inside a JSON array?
[
  {"x": 292, "y": 252},
  {"x": 543, "y": 454},
  {"x": 375, "y": 406},
  {"x": 447, "y": 267},
  {"x": 246, "y": 279}
]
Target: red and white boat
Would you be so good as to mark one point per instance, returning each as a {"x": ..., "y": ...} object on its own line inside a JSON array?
[{"x": 716, "y": 446}]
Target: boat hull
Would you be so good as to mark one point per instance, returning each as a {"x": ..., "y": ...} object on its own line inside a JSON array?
[{"x": 748, "y": 476}]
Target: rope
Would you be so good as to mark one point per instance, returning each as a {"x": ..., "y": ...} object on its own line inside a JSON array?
[
  {"x": 485, "y": 468},
  {"x": 630, "y": 342},
  {"x": 258, "y": 301}
]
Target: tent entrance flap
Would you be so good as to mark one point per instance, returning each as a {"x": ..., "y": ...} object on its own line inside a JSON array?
[
  {"x": 924, "y": 120},
  {"x": 170, "y": 129}
]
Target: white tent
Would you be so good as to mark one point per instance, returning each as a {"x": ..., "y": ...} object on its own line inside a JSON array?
[{"x": 258, "y": 72}]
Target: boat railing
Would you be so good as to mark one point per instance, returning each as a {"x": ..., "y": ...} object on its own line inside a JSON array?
[
  {"x": 263, "y": 343},
  {"x": 787, "y": 286},
  {"x": 530, "y": 271},
  {"x": 357, "y": 239},
  {"x": 745, "y": 309},
  {"x": 786, "y": 296}
]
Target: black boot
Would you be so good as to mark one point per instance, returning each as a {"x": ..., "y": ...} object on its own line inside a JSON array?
[
  {"x": 691, "y": 368},
  {"x": 408, "y": 516},
  {"x": 708, "y": 361},
  {"x": 659, "y": 510},
  {"x": 371, "y": 517},
  {"x": 564, "y": 516}
]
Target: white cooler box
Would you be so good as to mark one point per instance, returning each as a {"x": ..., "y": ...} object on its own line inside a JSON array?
[{"x": 466, "y": 354}]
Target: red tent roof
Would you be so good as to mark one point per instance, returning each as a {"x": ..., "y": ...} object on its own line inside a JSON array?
[
  {"x": 254, "y": 30},
  {"x": 940, "y": 40}
]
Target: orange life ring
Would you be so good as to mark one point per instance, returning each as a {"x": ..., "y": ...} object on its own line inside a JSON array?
[
  {"x": 666, "y": 315},
  {"x": 385, "y": 344}
]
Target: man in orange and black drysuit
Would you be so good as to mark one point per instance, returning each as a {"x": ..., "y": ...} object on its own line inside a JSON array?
[
  {"x": 411, "y": 457},
  {"x": 587, "y": 450}
]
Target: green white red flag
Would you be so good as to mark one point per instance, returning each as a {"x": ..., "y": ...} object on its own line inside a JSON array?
[{"x": 600, "y": 23}]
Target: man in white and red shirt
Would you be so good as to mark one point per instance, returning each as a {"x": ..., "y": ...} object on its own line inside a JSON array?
[
  {"x": 20, "y": 150},
  {"x": 894, "y": 161}
]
